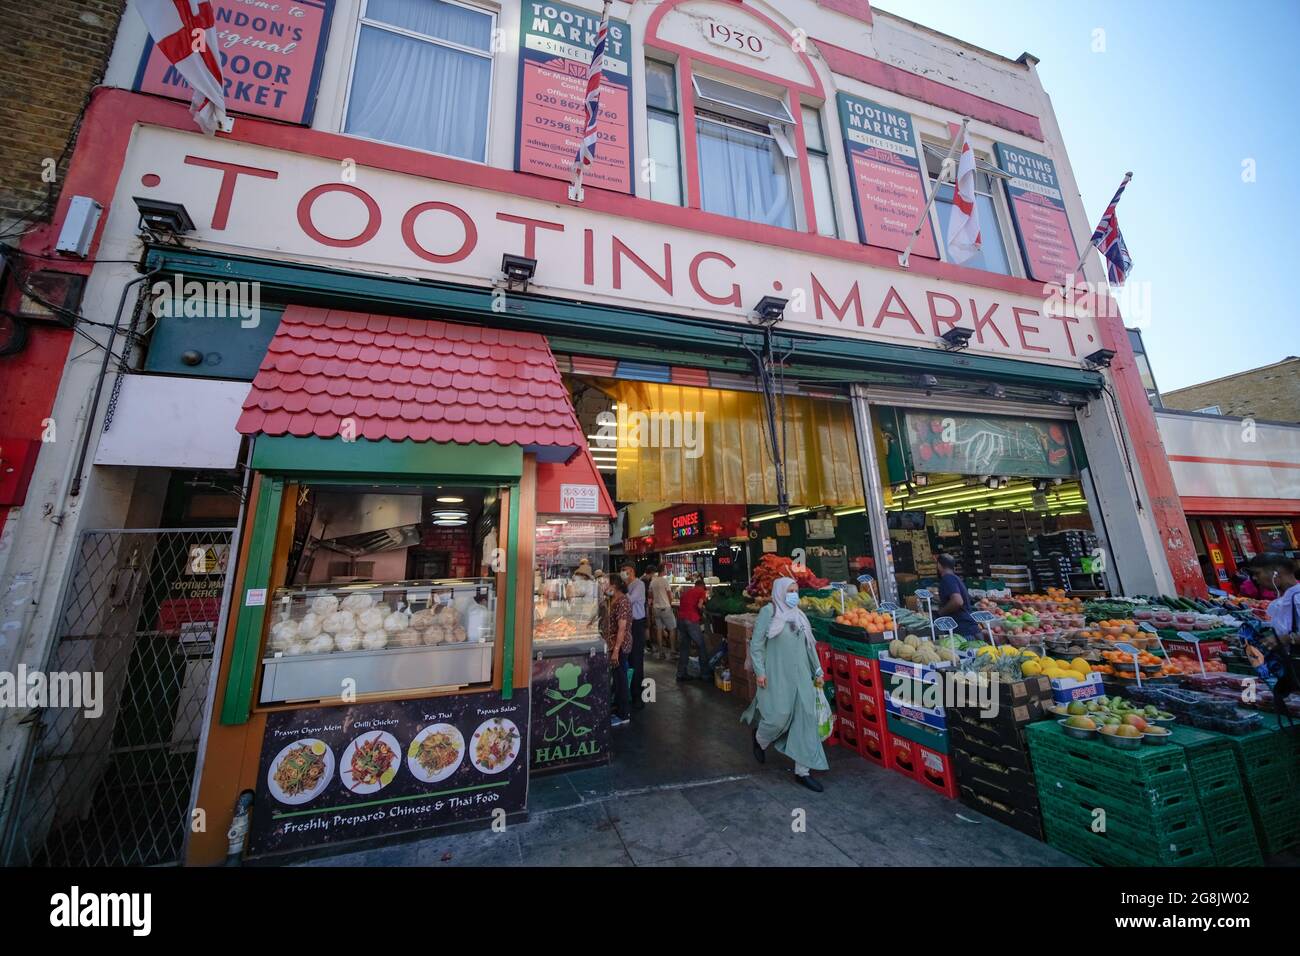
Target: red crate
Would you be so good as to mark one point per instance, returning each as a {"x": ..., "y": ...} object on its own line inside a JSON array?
[
  {"x": 825, "y": 657},
  {"x": 834, "y": 739},
  {"x": 869, "y": 708},
  {"x": 934, "y": 770},
  {"x": 844, "y": 700},
  {"x": 847, "y": 728},
  {"x": 840, "y": 663},
  {"x": 873, "y": 743},
  {"x": 901, "y": 754},
  {"x": 865, "y": 673}
]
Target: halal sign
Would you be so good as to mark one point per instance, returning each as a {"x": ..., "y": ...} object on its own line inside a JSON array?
[{"x": 686, "y": 525}]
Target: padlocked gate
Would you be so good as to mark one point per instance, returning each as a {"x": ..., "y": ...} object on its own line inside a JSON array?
[{"x": 140, "y": 614}]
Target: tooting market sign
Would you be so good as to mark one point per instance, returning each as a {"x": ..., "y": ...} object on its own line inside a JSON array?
[{"x": 302, "y": 207}]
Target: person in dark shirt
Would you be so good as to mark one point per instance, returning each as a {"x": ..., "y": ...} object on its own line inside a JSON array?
[
  {"x": 954, "y": 601},
  {"x": 689, "y": 630}
]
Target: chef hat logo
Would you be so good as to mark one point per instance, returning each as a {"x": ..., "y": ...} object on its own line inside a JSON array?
[{"x": 568, "y": 676}]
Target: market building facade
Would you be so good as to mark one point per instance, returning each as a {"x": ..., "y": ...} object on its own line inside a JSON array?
[{"x": 337, "y": 496}]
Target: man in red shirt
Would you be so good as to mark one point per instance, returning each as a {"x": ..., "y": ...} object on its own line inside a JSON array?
[{"x": 689, "y": 613}]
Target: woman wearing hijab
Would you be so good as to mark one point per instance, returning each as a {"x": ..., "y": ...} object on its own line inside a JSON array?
[{"x": 789, "y": 676}]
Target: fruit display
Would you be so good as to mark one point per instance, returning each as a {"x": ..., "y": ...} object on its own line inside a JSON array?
[
  {"x": 1076, "y": 669},
  {"x": 1010, "y": 663},
  {"x": 835, "y": 604},
  {"x": 772, "y": 567},
  {"x": 870, "y": 621},
  {"x": 929, "y": 653}
]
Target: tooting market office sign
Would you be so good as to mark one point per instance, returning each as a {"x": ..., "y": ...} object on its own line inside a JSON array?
[{"x": 253, "y": 198}]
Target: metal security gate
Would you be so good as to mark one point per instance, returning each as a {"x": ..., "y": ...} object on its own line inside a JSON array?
[{"x": 140, "y": 616}]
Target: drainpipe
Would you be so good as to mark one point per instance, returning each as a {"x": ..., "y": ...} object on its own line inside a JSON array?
[{"x": 75, "y": 490}]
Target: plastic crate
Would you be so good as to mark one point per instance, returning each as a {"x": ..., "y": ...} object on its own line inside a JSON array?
[
  {"x": 873, "y": 744},
  {"x": 864, "y": 672},
  {"x": 869, "y": 708},
  {"x": 901, "y": 754},
  {"x": 934, "y": 770},
  {"x": 1068, "y": 823}
]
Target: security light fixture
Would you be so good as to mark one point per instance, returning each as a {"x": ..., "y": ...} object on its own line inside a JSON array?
[
  {"x": 920, "y": 480},
  {"x": 955, "y": 339},
  {"x": 770, "y": 310},
  {"x": 995, "y": 391},
  {"x": 163, "y": 221},
  {"x": 1060, "y": 398},
  {"x": 518, "y": 270},
  {"x": 926, "y": 382},
  {"x": 1100, "y": 358}
]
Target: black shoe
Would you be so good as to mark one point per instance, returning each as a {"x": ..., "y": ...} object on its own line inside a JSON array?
[
  {"x": 759, "y": 753},
  {"x": 806, "y": 780}
]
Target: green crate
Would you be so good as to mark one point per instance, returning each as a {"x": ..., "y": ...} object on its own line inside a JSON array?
[
  {"x": 1067, "y": 824},
  {"x": 1125, "y": 773},
  {"x": 1240, "y": 852},
  {"x": 1171, "y": 795},
  {"x": 1279, "y": 831}
]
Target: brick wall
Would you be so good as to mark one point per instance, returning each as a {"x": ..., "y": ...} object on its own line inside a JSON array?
[
  {"x": 1271, "y": 393},
  {"x": 52, "y": 54}
]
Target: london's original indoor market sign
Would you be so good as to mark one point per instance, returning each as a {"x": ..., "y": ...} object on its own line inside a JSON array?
[
  {"x": 270, "y": 58},
  {"x": 555, "y": 44}
]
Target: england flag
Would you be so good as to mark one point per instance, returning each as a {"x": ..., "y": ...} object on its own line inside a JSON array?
[
  {"x": 964, "y": 218},
  {"x": 185, "y": 31}
]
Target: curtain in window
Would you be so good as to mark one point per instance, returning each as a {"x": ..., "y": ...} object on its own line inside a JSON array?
[
  {"x": 743, "y": 175},
  {"x": 420, "y": 94},
  {"x": 435, "y": 19},
  {"x": 728, "y": 459}
]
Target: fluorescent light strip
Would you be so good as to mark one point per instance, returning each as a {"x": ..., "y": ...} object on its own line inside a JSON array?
[
  {"x": 976, "y": 494},
  {"x": 776, "y": 514}
]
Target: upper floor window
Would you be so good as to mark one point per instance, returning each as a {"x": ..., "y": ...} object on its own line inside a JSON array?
[
  {"x": 819, "y": 172},
  {"x": 662, "y": 117},
  {"x": 744, "y": 154},
  {"x": 422, "y": 76},
  {"x": 992, "y": 256}
]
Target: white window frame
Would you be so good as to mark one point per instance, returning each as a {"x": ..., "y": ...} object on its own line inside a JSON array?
[
  {"x": 755, "y": 122},
  {"x": 1010, "y": 239},
  {"x": 791, "y": 163},
  {"x": 837, "y": 232},
  {"x": 489, "y": 55},
  {"x": 683, "y": 190}
]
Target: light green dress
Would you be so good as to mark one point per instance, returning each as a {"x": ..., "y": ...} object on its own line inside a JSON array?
[{"x": 787, "y": 706}]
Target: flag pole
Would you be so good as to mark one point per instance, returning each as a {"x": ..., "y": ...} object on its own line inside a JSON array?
[
  {"x": 1088, "y": 246},
  {"x": 954, "y": 149},
  {"x": 591, "y": 108}
]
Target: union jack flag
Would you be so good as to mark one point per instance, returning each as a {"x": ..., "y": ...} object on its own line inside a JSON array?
[
  {"x": 595, "y": 73},
  {"x": 1110, "y": 243}
]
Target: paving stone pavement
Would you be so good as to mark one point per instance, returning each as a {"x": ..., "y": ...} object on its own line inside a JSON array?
[{"x": 683, "y": 789}]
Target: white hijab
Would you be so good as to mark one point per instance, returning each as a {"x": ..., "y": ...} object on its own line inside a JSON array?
[{"x": 783, "y": 615}]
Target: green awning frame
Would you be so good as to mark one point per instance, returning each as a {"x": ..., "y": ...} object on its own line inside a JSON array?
[
  {"x": 385, "y": 463},
  {"x": 596, "y": 329}
]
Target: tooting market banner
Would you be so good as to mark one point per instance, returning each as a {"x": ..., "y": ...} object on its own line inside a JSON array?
[
  {"x": 1038, "y": 208},
  {"x": 888, "y": 177},
  {"x": 271, "y": 57},
  {"x": 555, "y": 44}
]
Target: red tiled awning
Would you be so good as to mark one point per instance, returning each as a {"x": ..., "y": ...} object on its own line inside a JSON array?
[{"x": 416, "y": 379}]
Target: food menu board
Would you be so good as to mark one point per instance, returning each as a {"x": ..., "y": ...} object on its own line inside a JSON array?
[
  {"x": 556, "y": 41},
  {"x": 271, "y": 55},
  {"x": 887, "y": 173},
  {"x": 941, "y": 442},
  {"x": 1038, "y": 209},
  {"x": 332, "y": 774}
]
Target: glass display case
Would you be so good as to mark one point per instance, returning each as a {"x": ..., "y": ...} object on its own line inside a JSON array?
[
  {"x": 569, "y": 551},
  {"x": 385, "y": 637}
]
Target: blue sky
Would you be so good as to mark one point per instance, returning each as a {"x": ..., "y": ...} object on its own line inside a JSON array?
[{"x": 1184, "y": 92}]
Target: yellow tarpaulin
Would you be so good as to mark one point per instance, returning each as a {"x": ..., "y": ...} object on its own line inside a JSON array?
[{"x": 709, "y": 446}]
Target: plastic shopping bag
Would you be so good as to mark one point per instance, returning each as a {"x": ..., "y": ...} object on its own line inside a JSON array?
[{"x": 825, "y": 716}]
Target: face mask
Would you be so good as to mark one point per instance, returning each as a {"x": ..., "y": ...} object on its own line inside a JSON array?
[
  {"x": 627, "y": 575},
  {"x": 791, "y": 599}
]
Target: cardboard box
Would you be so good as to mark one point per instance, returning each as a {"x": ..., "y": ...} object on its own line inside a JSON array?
[
  {"x": 1025, "y": 821},
  {"x": 930, "y": 717},
  {"x": 1067, "y": 689}
]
